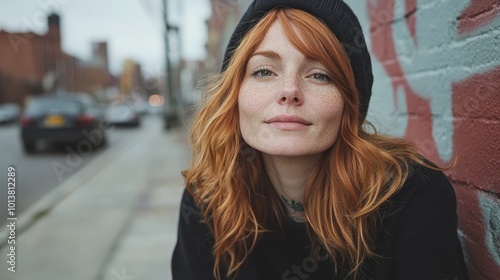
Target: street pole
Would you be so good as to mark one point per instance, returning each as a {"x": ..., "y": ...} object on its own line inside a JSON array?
[{"x": 170, "y": 115}]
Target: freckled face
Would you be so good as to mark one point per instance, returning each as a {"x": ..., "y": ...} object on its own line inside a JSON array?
[{"x": 288, "y": 104}]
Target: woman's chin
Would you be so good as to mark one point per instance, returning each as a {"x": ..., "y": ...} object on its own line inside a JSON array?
[{"x": 290, "y": 151}]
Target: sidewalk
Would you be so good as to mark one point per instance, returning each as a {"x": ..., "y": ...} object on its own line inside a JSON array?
[{"x": 119, "y": 224}]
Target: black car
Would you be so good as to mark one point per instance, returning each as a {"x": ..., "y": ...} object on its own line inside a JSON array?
[{"x": 68, "y": 119}]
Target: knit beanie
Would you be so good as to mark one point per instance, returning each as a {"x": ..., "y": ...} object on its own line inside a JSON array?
[{"x": 341, "y": 21}]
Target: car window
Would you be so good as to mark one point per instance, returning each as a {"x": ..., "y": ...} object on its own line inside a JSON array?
[{"x": 54, "y": 106}]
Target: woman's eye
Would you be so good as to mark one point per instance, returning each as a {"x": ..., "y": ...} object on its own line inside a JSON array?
[
  {"x": 321, "y": 77},
  {"x": 262, "y": 73}
]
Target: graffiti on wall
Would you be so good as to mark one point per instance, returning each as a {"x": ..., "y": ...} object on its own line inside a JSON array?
[{"x": 442, "y": 59}]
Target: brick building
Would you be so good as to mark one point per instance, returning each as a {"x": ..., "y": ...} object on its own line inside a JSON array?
[{"x": 31, "y": 64}]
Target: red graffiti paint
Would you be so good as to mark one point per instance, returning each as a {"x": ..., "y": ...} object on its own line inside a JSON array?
[
  {"x": 477, "y": 14},
  {"x": 419, "y": 127}
]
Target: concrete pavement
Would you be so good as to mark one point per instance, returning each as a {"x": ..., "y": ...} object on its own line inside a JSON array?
[{"x": 117, "y": 224}]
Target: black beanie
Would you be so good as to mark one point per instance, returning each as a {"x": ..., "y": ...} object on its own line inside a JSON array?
[{"x": 341, "y": 21}]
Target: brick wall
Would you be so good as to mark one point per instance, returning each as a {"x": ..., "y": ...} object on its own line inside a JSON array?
[{"x": 437, "y": 81}]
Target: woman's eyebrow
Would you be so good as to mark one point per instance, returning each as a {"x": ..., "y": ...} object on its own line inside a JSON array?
[{"x": 269, "y": 54}]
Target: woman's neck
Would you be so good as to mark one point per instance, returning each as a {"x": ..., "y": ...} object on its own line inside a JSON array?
[{"x": 289, "y": 176}]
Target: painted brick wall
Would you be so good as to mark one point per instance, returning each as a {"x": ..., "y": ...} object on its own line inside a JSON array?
[{"x": 437, "y": 81}]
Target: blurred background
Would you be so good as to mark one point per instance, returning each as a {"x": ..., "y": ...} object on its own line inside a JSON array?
[
  {"x": 96, "y": 99},
  {"x": 113, "y": 50},
  {"x": 95, "y": 104},
  {"x": 126, "y": 62}
]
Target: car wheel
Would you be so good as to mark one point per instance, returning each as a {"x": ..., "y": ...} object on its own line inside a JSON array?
[{"x": 29, "y": 147}]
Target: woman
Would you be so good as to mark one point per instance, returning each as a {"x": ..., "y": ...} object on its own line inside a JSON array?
[{"x": 286, "y": 181}]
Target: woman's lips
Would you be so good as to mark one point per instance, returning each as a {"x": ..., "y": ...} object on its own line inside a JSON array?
[{"x": 288, "y": 122}]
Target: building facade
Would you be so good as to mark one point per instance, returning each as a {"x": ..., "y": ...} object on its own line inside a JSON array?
[{"x": 32, "y": 64}]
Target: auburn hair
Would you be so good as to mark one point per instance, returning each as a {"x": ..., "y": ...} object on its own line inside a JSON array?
[{"x": 360, "y": 172}]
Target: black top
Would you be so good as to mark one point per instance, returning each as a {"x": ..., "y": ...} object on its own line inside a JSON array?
[{"x": 417, "y": 240}]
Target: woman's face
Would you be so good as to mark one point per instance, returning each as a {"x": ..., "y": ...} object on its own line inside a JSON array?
[{"x": 288, "y": 104}]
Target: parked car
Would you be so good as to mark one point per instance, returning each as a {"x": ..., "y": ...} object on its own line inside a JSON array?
[
  {"x": 123, "y": 115},
  {"x": 67, "y": 119},
  {"x": 9, "y": 112}
]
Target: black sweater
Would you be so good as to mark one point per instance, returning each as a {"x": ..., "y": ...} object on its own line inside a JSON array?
[{"x": 417, "y": 239}]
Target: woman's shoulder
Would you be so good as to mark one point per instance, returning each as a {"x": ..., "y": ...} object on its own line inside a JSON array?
[
  {"x": 189, "y": 209},
  {"x": 424, "y": 182},
  {"x": 426, "y": 192},
  {"x": 418, "y": 235}
]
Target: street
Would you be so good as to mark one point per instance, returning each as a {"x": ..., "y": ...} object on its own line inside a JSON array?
[{"x": 39, "y": 173}]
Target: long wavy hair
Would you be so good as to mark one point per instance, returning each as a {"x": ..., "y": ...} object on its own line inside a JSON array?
[{"x": 360, "y": 172}]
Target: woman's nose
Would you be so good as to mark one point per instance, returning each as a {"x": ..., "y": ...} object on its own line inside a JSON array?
[{"x": 290, "y": 92}]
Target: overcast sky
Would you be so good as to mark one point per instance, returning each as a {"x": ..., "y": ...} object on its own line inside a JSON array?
[{"x": 132, "y": 28}]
